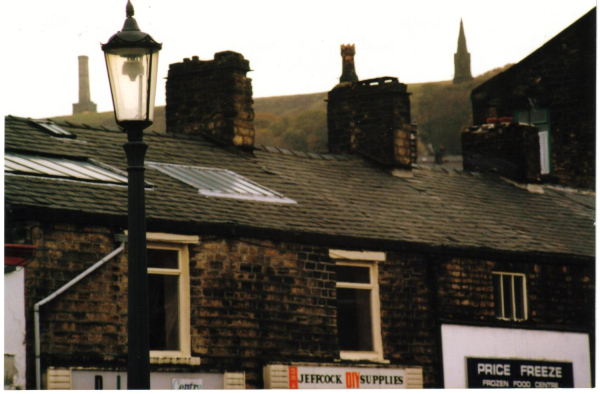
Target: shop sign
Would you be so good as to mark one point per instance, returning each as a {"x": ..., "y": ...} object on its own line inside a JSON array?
[
  {"x": 186, "y": 384},
  {"x": 484, "y": 373},
  {"x": 306, "y": 377}
]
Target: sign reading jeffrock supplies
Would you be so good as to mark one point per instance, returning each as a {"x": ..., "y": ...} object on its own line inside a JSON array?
[
  {"x": 306, "y": 377},
  {"x": 484, "y": 373}
]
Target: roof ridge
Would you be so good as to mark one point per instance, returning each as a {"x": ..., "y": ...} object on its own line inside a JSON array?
[
  {"x": 306, "y": 155},
  {"x": 62, "y": 123},
  {"x": 450, "y": 171},
  {"x": 568, "y": 189},
  {"x": 85, "y": 126}
]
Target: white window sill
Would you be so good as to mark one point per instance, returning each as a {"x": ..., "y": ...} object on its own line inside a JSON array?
[{"x": 178, "y": 360}]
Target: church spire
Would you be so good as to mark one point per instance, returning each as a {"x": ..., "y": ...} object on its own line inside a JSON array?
[
  {"x": 462, "y": 58},
  {"x": 462, "y": 41}
]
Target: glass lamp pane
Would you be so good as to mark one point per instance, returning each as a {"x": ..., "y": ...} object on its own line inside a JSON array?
[
  {"x": 153, "y": 77},
  {"x": 129, "y": 71}
]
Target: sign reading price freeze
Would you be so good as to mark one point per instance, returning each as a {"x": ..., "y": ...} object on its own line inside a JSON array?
[{"x": 485, "y": 373}]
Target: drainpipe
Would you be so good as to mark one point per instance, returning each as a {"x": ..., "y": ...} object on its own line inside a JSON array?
[{"x": 36, "y": 310}]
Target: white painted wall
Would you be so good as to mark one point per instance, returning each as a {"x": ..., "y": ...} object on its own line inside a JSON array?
[
  {"x": 14, "y": 320},
  {"x": 459, "y": 342}
]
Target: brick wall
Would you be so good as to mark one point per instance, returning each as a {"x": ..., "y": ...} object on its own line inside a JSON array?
[
  {"x": 557, "y": 294},
  {"x": 255, "y": 301},
  {"x": 407, "y": 316},
  {"x": 86, "y": 325},
  {"x": 212, "y": 97},
  {"x": 371, "y": 117},
  {"x": 252, "y": 302},
  {"x": 560, "y": 77}
]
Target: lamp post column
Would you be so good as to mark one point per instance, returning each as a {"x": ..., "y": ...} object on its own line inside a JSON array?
[
  {"x": 131, "y": 61},
  {"x": 138, "y": 359}
]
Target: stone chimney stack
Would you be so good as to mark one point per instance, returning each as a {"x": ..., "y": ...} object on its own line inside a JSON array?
[
  {"x": 348, "y": 71},
  {"x": 212, "y": 98},
  {"x": 85, "y": 104},
  {"x": 509, "y": 149},
  {"x": 372, "y": 118}
]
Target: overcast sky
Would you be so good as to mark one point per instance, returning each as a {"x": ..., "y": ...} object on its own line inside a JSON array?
[{"x": 293, "y": 46}]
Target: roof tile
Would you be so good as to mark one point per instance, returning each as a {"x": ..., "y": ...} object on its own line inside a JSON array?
[{"x": 342, "y": 195}]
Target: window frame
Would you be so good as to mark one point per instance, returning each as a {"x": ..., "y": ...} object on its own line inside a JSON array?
[
  {"x": 542, "y": 134},
  {"x": 184, "y": 296},
  {"x": 368, "y": 260},
  {"x": 514, "y": 301}
]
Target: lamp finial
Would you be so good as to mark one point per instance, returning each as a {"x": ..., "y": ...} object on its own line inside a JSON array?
[{"x": 129, "y": 9}]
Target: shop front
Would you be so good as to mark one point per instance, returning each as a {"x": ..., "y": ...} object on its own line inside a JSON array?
[
  {"x": 95, "y": 379},
  {"x": 490, "y": 357},
  {"x": 334, "y": 376}
]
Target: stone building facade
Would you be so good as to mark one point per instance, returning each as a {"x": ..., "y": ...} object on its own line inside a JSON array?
[
  {"x": 255, "y": 302},
  {"x": 271, "y": 268}
]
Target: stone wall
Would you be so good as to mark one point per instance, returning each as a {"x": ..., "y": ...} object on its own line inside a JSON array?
[
  {"x": 371, "y": 117},
  {"x": 559, "y": 77},
  {"x": 212, "y": 97},
  {"x": 255, "y": 301},
  {"x": 407, "y": 314},
  {"x": 557, "y": 294},
  {"x": 252, "y": 302}
]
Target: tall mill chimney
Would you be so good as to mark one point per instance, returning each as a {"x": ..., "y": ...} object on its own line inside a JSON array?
[{"x": 85, "y": 104}]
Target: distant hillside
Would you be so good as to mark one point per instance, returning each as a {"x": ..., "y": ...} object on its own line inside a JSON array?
[
  {"x": 107, "y": 119},
  {"x": 290, "y": 105},
  {"x": 441, "y": 110}
]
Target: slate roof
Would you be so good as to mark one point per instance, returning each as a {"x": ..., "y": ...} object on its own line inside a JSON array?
[{"x": 337, "y": 195}]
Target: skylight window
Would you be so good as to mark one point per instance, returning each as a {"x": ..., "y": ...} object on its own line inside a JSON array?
[
  {"x": 54, "y": 129},
  {"x": 60, "y": 168},
  {"x": 215, "y": 182}
]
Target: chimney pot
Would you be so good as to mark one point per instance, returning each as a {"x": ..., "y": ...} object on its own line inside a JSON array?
[{"x": 348, "y": 70}]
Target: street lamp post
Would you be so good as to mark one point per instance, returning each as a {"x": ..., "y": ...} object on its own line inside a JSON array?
[{"x": 132, "y": 61}]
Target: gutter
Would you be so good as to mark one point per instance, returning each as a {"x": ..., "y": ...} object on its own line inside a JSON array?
[
  {"x": 36, "y": 310},
  {"x": 230, "y": 228}
]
